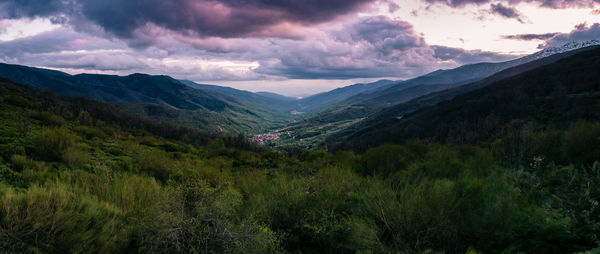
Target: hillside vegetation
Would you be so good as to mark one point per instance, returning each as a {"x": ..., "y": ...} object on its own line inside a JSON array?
[
  {"x": 83, "y": 176},
  {"x": 359, "y": 112},
  {"x": 555, "y": 94},
  {"x": 162, "y": 98}
]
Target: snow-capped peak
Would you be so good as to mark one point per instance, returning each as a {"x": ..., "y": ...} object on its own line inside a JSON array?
[{"x": 564, "y": 48}]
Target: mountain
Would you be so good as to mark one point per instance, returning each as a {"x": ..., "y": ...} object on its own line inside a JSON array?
[
  {"x": 351, "y": 110},
  {"x": 322, "y": 100},
  {"x": 266, "y": 101},
  {"x": 51, "y": 111},
  {"x": 444, "y": 79},
  {"x": 158, "y": 97},
  {"x": 405, "y": 108},
  {"x": 276, "y": 96},
  {"x": 556, "y": 94},
  {"x": 356, "y": 112},
  {"x": 574, "y": 45}
]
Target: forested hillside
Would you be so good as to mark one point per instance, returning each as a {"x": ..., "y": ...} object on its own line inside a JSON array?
[
  {"x": 361, "y": 111},
  {"x": 555, "y": 95},
  {"x": 83, "y": 176},
  {"x": 163, "y": 98}
]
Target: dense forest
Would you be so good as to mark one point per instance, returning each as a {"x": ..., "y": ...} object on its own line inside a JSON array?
[{"x": 82, "y": 176}]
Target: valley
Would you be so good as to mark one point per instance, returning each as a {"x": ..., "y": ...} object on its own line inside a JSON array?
[
  {"x": 311, "y": 122},
  {"x": 424, "y": 126},
  {"x": 361, "y": 108}
]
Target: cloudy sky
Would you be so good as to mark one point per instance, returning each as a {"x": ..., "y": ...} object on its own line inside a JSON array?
[{"x": 292, "y": 47}]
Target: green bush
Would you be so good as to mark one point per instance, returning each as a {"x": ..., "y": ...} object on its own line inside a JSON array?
[
  {"x": 90, "y": 132},
  {"x": 75, "y": 156},
  {"x": 48, "y": 118},
  {"x": 582, "y": 143},
  {"x": 51, "y": 143},
  {"x": 155, "y": 163},
  {"x": 53, "y": 219},
  {"x": 386, "y": 159},
  {"x": 21, "y": 163},
  {"x": 201, "y": 219},
  {"x": 11, "y": 177}
]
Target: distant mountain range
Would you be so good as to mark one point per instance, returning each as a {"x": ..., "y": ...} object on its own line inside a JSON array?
[
  {"x": 267, "y": 101},
  {"x": 322, "y": 100},
  {"x": 210, "y": 108},
  {"x": 340, "y": 114}
]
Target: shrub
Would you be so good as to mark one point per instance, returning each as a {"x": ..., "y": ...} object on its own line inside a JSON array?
[
  {"x": 386, "y": 159},
  {"x": 48, "y": 118},
  {"x": 54, "y": 219},
  {"x": 11, "y": 177},
  {"x": 21, "y": 163},
  {"x": 75, "y": 156},
  {"x": 199, "y": 218},
  {"x": 51, "y": 143},
  {"x": 90, "y": 132},
  {"x": 155, "y": 163},
  {"x": 132, "y": 194},
  {"x": 582, "y": 142}
]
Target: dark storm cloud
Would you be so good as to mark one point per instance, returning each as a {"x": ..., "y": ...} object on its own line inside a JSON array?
[
  {"x": 224, "y": 18},
  {"x": 507, "y": 12},
  {"x": 462, "y": 56},
  {"x": 529, "y": 37},
  {"x": 32, "y": 8},
  {"x": 544, "y": 3}
]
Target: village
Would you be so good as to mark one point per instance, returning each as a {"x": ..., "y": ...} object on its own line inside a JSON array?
[{"x": 265, "y": 137}]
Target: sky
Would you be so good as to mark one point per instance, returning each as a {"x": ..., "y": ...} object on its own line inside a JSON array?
[{"x": 291, "y": 47}]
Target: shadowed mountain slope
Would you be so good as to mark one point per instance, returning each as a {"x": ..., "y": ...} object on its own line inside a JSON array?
[{"x": 556, "y": 93}]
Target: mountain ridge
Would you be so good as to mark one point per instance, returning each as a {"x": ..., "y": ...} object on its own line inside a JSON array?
[
  {"x": 136, "y": 91},
  {"x": 529, "y": 96},
  {"x": 336, "y": 122}
]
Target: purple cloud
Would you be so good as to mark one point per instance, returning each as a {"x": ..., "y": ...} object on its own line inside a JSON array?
[
  {"x": 462, "y": 56},
  {"x": 3, "y": 25},
  {"x": 200, "y": 40},
  {"x": 387, "y": 35},
  {"x": 31, "y": 8},
  {"x": 392, "y": 7},
  {"x": 529, "y": 37},
  {"x": 580, "y": 33},
  {"x": 507, "y": 12},
  {"x": 223, "y": 18},
  {"x": 372, "y": 47},
  {"x": 54, "y": 41},
  {"x": 556, "y": 4}
]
